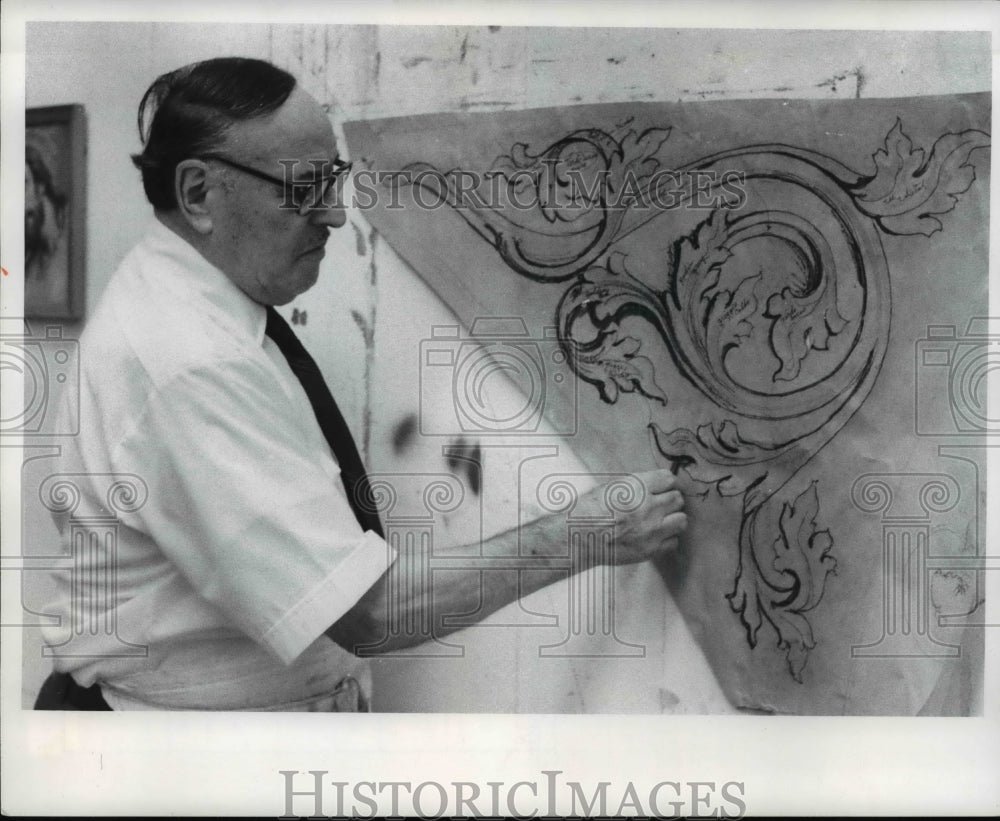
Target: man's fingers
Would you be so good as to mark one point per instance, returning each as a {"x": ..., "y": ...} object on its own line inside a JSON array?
[
  {"x": 672, "y": 501},
  {"x": 657, "y": 481},
  {"x": 674, "y": 524},
  {"x": 670, "y": 543}
]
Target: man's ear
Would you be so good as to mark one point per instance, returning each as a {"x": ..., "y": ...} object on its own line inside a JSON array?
[{"x": 191, "y": 188}]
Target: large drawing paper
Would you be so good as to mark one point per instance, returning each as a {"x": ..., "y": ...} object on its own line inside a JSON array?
[{"x": 786, "y": 302}]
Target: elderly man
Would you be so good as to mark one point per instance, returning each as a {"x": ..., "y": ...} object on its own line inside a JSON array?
[{"x": 253, "y": 573}]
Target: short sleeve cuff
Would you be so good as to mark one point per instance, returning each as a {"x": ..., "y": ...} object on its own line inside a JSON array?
[{"x": 323, "y": 606}]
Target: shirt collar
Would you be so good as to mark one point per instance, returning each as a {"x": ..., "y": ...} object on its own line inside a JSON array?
[{"x": 194, "y": 278}]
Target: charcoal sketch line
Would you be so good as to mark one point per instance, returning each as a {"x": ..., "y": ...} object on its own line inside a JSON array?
[{"x": 775, "y": 306}]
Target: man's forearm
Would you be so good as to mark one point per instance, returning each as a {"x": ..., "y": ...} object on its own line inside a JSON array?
[{"x": 408, "y": 599}]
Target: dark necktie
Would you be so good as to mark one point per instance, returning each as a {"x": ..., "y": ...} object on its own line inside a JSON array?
[{"x": 331, "y": 421}]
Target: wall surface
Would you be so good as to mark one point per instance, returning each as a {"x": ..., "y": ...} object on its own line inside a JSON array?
[{"x": 368, "y": 314}]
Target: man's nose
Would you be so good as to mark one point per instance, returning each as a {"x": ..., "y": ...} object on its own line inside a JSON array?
[{"x": 333, "y": 215}]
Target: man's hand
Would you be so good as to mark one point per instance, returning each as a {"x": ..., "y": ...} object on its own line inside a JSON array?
[{"x": 652, "y": 526}]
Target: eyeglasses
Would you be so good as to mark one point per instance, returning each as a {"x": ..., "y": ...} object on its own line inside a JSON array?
[{"x": 299, "y": 196}]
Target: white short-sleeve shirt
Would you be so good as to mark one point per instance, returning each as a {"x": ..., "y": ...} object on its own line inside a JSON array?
[{"x": 245, "y": 549}]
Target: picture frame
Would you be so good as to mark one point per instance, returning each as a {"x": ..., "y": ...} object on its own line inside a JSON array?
[{"x": 55, "y": 212}]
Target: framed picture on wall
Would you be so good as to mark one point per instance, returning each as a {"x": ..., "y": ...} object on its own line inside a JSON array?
[{"x": 55, "y": 212}]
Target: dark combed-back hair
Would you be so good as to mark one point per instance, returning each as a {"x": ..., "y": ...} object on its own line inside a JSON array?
[{"x": 187, "y": 112}]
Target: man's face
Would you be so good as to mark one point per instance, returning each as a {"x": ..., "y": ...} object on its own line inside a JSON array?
[{"x": 273, "y": 253}]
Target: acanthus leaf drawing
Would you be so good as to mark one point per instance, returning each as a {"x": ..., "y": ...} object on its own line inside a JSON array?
[
  {"x": 785, "y": 353},
  {"x": 907, "y": 193}
]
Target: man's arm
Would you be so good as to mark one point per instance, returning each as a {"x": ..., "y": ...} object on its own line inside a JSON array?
[{"x": 405, "y": 593}]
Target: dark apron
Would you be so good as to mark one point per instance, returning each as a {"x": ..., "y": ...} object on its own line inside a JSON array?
[{"x": 61, "y": 692}]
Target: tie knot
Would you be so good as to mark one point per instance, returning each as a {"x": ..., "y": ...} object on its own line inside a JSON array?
[
  {"x": 288, "y": 343},
  {"x": 276, "y": 325}
]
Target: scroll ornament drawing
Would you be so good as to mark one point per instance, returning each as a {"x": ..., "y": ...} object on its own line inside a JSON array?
[{"x": 775, "y": 306}]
